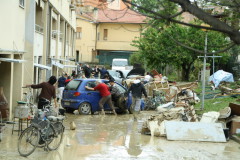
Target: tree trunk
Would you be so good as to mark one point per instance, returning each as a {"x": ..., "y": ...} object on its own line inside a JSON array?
[{"x": 185, "y": 72}]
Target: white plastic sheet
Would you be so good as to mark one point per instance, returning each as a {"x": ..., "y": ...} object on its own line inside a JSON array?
[{"x": 221, "y": 76}]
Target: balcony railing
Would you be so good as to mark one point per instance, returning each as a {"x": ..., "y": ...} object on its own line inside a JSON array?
[
  {"x": 38, "y": 28},
  {"x": 55, "y": 33}
]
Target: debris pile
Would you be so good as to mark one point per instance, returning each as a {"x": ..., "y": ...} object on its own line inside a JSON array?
[
  {"x": 162, "y": 92},
  {"x": 178, "y": 123}
]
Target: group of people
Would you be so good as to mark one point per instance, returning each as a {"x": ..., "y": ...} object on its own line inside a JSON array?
[
  {"x": 109, "y": 94},
  {"x": 112, "y": 94},
  {"x": 85, "y": 71}
]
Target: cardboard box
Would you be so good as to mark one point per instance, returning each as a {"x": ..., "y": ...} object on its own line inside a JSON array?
[{"x": 235, "y": 125}]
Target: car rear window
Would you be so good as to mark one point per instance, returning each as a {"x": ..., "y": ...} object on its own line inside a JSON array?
[{"x": 73, "y": 85}]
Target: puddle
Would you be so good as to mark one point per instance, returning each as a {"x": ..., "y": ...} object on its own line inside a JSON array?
[{"x": 118, "y": 137}]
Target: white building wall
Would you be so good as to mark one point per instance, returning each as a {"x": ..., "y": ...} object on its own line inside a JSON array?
[
  {"x": 53, "y": 47},
  {"x": 63, "y": 7},
  {"x": 12, "y": 25},
  {"x": 38, "y": 44},
  {"x": 60, "y": 49},
  {"x": 67, "y": 50}
]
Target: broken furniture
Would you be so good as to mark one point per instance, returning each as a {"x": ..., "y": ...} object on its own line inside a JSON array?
[{"x": 195, "y": 131}]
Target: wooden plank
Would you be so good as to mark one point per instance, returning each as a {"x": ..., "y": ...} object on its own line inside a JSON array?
[{"x": 195, "y": 131}]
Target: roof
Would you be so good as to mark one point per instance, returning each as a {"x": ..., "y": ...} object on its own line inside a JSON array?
[
  {"x": 115, "y": 16},
  {"x": 120, "y": 16}
]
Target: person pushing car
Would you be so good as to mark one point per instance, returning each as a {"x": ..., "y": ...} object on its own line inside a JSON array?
[{"x": 105, "y": 93}]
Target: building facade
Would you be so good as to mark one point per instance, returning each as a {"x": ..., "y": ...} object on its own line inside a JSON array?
[
  {"x": 37, "y": 41},
  {"x": 105, "y": 30}
]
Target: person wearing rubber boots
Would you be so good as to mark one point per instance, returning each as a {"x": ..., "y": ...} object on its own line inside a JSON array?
[{"x": 137, "y": 89}]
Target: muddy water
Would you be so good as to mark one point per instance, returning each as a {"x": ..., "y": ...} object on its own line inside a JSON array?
[{"x": 110, "y": 137}]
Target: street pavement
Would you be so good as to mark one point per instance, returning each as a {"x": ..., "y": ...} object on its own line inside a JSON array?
[{"x": 112, "y": 137}]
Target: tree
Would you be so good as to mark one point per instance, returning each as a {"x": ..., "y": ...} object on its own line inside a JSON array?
[
  {"x": 226, "y": 20},
  {"x": 158, "y": 49}
]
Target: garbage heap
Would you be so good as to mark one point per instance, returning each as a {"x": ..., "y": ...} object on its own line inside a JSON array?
[
  {"x": 176, "y": 124},
  {"x": 173, "y": 102},
  {"x": 162, "y": 92}
]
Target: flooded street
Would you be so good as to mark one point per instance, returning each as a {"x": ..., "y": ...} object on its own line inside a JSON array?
[{"x": 118, "y": 137}]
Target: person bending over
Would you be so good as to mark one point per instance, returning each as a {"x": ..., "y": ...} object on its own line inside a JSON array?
[{"x": 105, "y": 93}]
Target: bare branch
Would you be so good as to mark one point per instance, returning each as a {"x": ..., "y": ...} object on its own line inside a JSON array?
[
  {"x": 225, "y": 49},
  {"x": 199, "y": 51},
  {"x": 216, "y": 24},
  {"x": 177, "y": 14},
  {"x": 170, "y": 19}
]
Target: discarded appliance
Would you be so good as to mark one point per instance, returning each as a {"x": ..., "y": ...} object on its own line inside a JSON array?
[{"x": 194, "y": 131}]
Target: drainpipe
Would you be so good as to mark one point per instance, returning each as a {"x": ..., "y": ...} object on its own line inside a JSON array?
[{"x": 96, "y": 39}]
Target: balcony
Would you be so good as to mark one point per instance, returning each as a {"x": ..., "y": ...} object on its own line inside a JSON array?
[
  {"x": 38, "y": 41},
  {"x": 38, "y": 29}
]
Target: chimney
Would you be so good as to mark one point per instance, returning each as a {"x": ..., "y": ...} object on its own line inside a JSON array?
[{"x": 95, "y": 13}]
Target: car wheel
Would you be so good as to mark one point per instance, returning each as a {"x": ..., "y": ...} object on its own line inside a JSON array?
[{"x": 84, "y": 108}]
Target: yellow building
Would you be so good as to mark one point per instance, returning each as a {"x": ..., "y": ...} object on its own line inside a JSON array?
[
  {"x": 37, "y": 41},
  {"x": 106, "y": 33}
]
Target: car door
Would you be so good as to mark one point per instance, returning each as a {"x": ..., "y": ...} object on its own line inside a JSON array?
[{"x": 92, "y": 97}]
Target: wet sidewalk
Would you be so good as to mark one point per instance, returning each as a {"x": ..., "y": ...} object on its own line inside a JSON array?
[{"x": 118, "y": 137}]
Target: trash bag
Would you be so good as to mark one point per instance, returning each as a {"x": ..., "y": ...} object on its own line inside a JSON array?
[{"x": 221, "y": 76}]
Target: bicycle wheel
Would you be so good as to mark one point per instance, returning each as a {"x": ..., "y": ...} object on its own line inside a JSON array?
[
  {"x": 28, "y": 141},
  {"x": 56, "y": 135}
]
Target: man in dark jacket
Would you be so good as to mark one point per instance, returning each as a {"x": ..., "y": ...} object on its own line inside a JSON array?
[
  {"x": 137, "y": 89},
  {"x": 103, "y": 72},
  {"x": 48, "y": 92},
  {"x": 87, "y": 71}
]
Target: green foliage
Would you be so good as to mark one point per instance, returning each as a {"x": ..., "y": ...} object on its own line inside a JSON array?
[
  {"x": 173, "y": 77},
  {"x": 136, "y": 58},
  {"x": 215, "y": 104},
  {"x": 159, "y": 49}
]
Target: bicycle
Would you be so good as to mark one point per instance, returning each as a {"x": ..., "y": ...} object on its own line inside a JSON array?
[
  {"x": 28, "y": 98},
  {"x": 45, "y": 131}
]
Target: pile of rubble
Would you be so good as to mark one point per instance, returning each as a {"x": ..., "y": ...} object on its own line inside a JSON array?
[{"x": 179, "y": 123}]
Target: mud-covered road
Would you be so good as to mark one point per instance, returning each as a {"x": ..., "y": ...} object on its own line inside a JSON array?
[{"x": 118, "y": 137}]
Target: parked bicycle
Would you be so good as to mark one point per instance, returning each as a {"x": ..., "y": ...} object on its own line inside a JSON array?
[
  {"x": 28, "y": 96},
  {"x": 29, "y": 100},
  {"x": 46, "y": 130}
]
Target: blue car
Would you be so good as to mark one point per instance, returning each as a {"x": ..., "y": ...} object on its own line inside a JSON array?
[{"x": 77, "y": 97}]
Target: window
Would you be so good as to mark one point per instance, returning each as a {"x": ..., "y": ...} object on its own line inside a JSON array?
[
  {"x": 73, "y": 85},
  {"x": 105, "y": 34},
  {"x": 120, "y": 88},
  {"x": 91, "y": 84},
  {"x": 21, "y": 3},
  {"x": 79, "y": 33}
]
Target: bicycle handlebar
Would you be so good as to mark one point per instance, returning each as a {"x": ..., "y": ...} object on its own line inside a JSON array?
[{"x": 25, "y": 87}]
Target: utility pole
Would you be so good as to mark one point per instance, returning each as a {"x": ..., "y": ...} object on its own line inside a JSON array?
[{"x": 204, "y": 69}]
